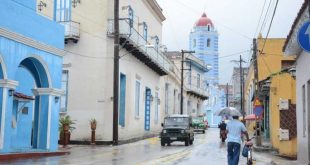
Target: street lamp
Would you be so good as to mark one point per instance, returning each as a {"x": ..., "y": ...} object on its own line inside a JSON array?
[{"x": 182, "y": 79}]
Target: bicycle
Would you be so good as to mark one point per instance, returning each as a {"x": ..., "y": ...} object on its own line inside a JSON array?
[{"x": 249, "y": 144}]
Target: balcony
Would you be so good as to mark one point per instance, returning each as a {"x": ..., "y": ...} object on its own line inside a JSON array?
[
  {"x": 72, "y": 31},
  {"x": 197, "y": 92},
  {"x": 134, "y": 43}
]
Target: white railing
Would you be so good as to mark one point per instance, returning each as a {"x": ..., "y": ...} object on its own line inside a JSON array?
[
  {"x": 72, "y": 29},
  {"x": 197, "y": 89},
  {"x": 136, "y": 38}
]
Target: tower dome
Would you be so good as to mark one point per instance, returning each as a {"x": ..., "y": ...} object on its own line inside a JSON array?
[{"x": 204, "y": 21}]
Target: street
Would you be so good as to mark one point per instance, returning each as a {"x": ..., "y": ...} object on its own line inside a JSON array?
[{"x": 207, "y": 149}]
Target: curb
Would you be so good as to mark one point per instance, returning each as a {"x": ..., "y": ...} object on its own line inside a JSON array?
[{"x": 11, "y": 156}]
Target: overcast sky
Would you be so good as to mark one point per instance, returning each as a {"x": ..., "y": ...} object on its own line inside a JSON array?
[{"x": 235, "y": 20}]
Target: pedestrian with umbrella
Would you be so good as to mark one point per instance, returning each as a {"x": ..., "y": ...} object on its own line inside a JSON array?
[{"x": 234, "y": 129}]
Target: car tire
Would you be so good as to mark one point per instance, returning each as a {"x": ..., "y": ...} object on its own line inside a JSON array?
[
  {"x": 203, "y": 131},
  {"x": 186, "y": 142},
  {"x": 191, "y": 142},
  {"x": 169, "y": 144},
  {"x": 162, "y": 143}
]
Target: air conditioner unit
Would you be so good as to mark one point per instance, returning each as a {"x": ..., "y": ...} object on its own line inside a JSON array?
[
  {"x": 283, "y": 104},
  {"x": 284, "y": 134}
]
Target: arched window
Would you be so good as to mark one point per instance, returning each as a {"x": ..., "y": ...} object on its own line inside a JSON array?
[{"x": 208, "y": 42}]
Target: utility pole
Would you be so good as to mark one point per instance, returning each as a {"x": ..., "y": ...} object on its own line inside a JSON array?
[
  {"x": 227, "y": 95},
  {"x": 240, "y": 61},
  {"x": 116, "y": 72},
  {"x": 256, "y": 89},
  {"x": 241, "y": 87},
  {"x": 182, "y": 79}
]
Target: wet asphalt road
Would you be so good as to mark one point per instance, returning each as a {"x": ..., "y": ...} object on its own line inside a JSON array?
[{"x": 207, "y": 149}]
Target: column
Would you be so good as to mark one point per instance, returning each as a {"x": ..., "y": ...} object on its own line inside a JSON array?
[
  {"x": 48, "y": 116},
  {"x": 7, "y": 87}
]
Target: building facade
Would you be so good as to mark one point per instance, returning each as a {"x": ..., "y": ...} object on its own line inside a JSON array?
[
  {"x": 88, "y": 69},
  {"x": 236, "y": 85},
  {"x": 195, "y": 89},
  {"x": 31, "y": 55},
  {"x": 291, "y": 47},
  {"x": 274, "y": 85},
  {"x": 204, "y": 41}
]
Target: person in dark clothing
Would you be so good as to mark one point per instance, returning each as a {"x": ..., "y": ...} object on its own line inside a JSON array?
[{"x": 222, "y": 126}]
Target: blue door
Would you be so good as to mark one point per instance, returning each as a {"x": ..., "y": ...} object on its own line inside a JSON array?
[
  {"x": 122, "y": 100},
  {"x": 147, "y": 109}
]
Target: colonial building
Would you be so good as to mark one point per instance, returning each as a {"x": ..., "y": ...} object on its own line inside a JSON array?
[
  {"x": 275, "y": 85},
  {"x": 31, "y": 52},
  {"x": 88, "y": 68},
  {"x": 236, "y": 85},
  {"x": 291, "y": 47},
  {"x": 204, "y": 41},
  {"x": 195, "y": 89}
]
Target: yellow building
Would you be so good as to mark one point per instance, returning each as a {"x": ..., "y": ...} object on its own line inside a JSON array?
[
  {"x": 270, "y": 63},
  {"x": 283, "y": 87}
]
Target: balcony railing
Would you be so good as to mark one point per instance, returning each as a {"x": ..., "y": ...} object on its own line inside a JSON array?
[
  {"x": 129, "y": 36},
  {"x": 197, "y": 91},
  {"x": 72, "y": 31}
]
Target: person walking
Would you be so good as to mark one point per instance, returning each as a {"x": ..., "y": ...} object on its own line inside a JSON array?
[{"x": 234, "y": 129}]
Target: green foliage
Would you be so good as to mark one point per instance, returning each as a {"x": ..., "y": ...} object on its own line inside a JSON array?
[
  {"x": 93, "y": 121},
  {"x": 66, "y": 120}
]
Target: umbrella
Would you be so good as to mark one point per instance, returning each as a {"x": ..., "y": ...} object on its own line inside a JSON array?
[
  {"x": 250, "y": 117},
  {"x": 228, "y": 111}
]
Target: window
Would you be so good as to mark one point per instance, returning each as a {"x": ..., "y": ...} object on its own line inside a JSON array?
[
  {"x": 64, "y": 87},
  {"x": 166, "y": 98},
  {"x": 194, "y": 43},
  {"x": 137, "y": 99},
  {"x": 145, "y": 31},
  {"x": 198, "y": 80},
  {"x": 189, "y": 80},
  {"x": 156, "y": 107},
  {"x": 208, "y": 42},
  {"x": 63, "y": 10},
  {"x": 304, "y": 111},
  {"x": 130, "y": 16},
  {"x": 208, "y": 27}
]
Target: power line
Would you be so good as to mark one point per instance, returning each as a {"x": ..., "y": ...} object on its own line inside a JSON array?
[
  {"x": 260, "y": 17},
  {"x": 274, "y": 12},
  {"x": 227, "y": 27},
  {"x": 265, "y": 18},
  {"x": 234, "y": 54}
]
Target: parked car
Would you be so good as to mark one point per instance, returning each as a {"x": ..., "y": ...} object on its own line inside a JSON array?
[
  {"x": 177, "y": 128},
  {"x": 198, "y": 124}
]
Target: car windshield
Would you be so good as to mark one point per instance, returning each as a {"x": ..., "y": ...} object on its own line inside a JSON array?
[
  {"x": 198, "y": 120},
  {"x": 177, "y": 121}
]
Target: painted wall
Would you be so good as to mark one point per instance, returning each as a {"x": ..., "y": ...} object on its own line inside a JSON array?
[
  {"x": 198, "y": 42},
  {"x": 270, "y": 61},
  {"x": 303, "y": 127},
  {"x": 20, "y": 20},
  {"x": 284, "y": 87},
  {"x": 25, "y": 16},
  {"x": 92, "y": 60}
]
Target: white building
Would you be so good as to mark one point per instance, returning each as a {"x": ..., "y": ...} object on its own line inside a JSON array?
[
  {"x": 292, "y": 47},
  {"x": 88, "y": 68},
  {"x": 195, "y": 90}
]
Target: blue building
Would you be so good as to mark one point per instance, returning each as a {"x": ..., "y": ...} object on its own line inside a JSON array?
[
  {"x": 31, "y": 52},
  {"x": 204, "y": 41}
]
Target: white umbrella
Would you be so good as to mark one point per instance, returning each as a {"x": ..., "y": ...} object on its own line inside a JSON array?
[{"x": 228, "y": 111}]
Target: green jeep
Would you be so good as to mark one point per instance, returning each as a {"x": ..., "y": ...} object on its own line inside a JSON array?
[
  {"x": 198, "y": 124},
  {"x": 177, "y": 128}
]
